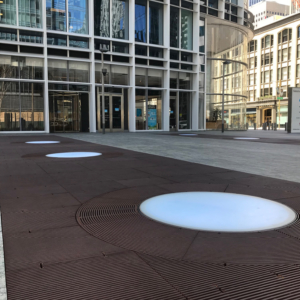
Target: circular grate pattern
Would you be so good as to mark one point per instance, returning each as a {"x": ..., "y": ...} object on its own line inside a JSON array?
[
  {"x": 220, "y": 212},
  {"x": 73, "y": 154},
  {"x": 122, "y": 224}
]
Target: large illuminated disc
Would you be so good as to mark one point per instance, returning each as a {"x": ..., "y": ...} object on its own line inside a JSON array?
[
  {"x": 221, "y": 212},
  {"x": 73, "y": 154},
  {"x": 188, "y": 134},
  {"x": 43, "y": 142},
  {"x": 246, "y": 138}
]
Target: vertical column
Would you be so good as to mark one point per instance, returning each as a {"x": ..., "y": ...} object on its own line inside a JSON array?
[
  {"x": 258, "y": 70},
  {"x": 46, "y": 93},
  {"x": 195, "y": 83},
  {"x": 166, "y": 79},
  {"x": 92, "y": 95},
  {"x": 258, "y": 117},
  {"x": 294, "y": 45},
  {"x": 131, "y": 90},
  {"x": 274, "y": 114},
  {"x": 275, "y": 63}
]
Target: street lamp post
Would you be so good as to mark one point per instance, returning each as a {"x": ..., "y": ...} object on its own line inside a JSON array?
[
  {"x": 103, "y": 49},
  {"x": 225, "y": 63}
]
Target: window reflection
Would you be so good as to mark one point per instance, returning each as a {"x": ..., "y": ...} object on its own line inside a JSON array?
[
  {"x": 174, "y": 27},
  {"x": 155, "y": 23},
  {"x": 101, "y": 11},
  {"x": 186, "y": 29},
  {"x": 56, "y": 15},
  {"x": 140, "y": 21},
  {"x": 8, "y": 11},
  {"x": 78, "y": 12},
  {"x": 120, "y": 19},
  {"x": 30, "y": 13}
]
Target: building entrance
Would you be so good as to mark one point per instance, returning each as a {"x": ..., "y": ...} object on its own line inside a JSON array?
[
  {"x": 114, "y": 112},
  {"x": 67, "y": 112},
  {"x": 268, "y": 116}
]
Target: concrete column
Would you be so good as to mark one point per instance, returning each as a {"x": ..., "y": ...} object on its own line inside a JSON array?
[
  {"x": 274, "y": 114},
  {"x": 258, "y": 117}
]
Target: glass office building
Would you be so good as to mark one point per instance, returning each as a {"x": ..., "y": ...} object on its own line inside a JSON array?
[{"x": 164, "y": 64}]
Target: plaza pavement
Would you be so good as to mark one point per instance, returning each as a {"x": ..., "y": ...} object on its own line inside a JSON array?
[{"x": 72, "y": 227}]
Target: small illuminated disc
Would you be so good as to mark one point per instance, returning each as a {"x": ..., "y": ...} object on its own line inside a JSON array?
[
  {"x": 221, "y": 212},
  {"x": 43, "y": 142},
  {"x": 246, "y": 138},
  {"x": 73, "y": 154},
  {"x": 188, "y": 134}
]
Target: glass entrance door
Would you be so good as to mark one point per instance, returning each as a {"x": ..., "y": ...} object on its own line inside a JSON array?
[
  {"x": 114, "y": 112},
  {"x": 173, "y": 115},
  {"x": 64, "y": 112}
]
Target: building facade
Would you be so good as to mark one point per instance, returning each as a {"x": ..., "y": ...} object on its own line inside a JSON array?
[
  {"x": 264, "y": 10},
  {"x": 160, "y": 55},
  {"x": 274, "y": 62}
]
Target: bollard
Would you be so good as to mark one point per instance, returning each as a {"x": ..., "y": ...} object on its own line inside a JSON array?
[
  {"x": 254, "y": 124},
  {"x": 272, "y": 126},
  {"x": 285, "y": 126},
  {"x": 247, "y": 126},
  {"x": 275, "y": 127},
  {"x": 268, "y": 126}
]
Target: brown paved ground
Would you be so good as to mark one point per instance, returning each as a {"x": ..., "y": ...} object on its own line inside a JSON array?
[{"x": 72, "y": 229}]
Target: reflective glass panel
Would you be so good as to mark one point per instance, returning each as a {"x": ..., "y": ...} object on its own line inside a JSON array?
[
  {"x": 155, "y": 78},
  {"x": 78, "y": 71},
  {"x": 140, "y": 109},
  {"x": 185, "y": 81},
  {"x": 184, "y": 110},
  {"x": 30, "y": 13},
  {"x": 32, "y": 106},
  {"x": 57, "y": 40},
  {"x": 57, "y": 70},
  {"x": 8, "y": 12},
  {"x": 31, "y": 68},
  {"x": 56, "y": 15},
  {"x": 186, "y": 29},
  {"x": 154, "y": 112},
  {"x": 155, "y": 23},
  {"x": 141, "y": 21},
  {"x": 9, "y": 66},
  {"x": 78, "y": 42},
  {"x": 31, "y": 37},
  {"x": 8, "y": 34},
  {"x": 78, "y": 16},
  {"x": 101, "y": 15},
  {"x": 174, "y": 27},
  {"x": 9, "y": 106},
  {"x": 119, "y": 75},
  {"x": 140, "y": 77},
  {"x": 120, "y": 19}
]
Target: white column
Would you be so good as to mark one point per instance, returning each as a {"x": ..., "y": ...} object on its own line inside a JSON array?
[
  {"x": 166, "y": 79},
  {"x": 131, "y": 90},
  {"x": 92, "y": 94},
  {"x": 46, "y": 93}
]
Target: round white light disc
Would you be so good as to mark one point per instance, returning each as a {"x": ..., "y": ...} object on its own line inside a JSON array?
[
  {"x": 246, "y": 138},
  {"x": 221, "y": 212},
  {"x": 73, "y": 154},
  {"x": 188, "y": 134},
  {"x": 43, "y": 142}
]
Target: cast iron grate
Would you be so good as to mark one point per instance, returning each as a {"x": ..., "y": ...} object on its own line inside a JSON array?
[{"x": 124, "y": 226}]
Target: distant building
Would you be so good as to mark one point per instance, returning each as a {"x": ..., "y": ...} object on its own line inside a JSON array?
[
  {"x": 264, "y": 10},
  {"x": 273, "y": 59}
]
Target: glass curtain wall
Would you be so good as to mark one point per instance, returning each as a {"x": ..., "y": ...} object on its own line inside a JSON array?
[
  {"x": 155, "y": 23},
  {"x": 56, "y": 15},
  {"x": 120, "y": 19},
  {"x": 174, "y": 27},
  {"x": 186, "y": 29},
  {"x": 78, "y": 16},
  {"x": 74, "y": 71},
  {"x": 30, "y": 13},
  {"x": 8, "y": 12},
  {"x": 102, "y": 17},
  {"x": 141, "y": 21},
  {"x": 225, "y": 43}
]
